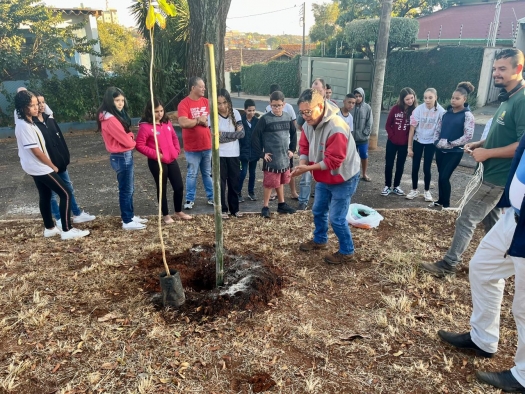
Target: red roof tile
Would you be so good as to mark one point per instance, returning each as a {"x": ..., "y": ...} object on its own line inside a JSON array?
[
  {"x": 475, "y": 18},
  {"x": 232, "y": 59},
  {"x": 295, "y": 49}
]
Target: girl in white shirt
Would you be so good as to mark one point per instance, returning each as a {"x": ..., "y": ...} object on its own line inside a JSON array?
[
  {"x": 230, "y": 131},
  {"x": 423, "y": 123}
]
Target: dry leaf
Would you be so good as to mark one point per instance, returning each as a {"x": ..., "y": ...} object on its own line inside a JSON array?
[
  {"x": 107, "y": 317},
  {"x": 109, "y": 365},
  {"x": 352, "y": 337},
  {"x": 56, "y": 368},
  {"x": 397, "y": 354}
]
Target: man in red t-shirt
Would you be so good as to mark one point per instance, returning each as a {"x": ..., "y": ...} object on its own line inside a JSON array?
[{"x": 193, "y": 114}]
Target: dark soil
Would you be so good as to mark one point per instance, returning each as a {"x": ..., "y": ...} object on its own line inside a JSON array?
[{"x": 250, "y": 282}]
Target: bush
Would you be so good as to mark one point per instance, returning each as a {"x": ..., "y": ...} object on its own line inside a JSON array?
[
  {"x": 257, "y": 78},
  {"x": 440, "y": 68}
]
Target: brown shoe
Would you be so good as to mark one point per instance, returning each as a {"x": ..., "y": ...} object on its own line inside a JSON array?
[
  {"x": 338, "y": 258},
  {"x": 311, "y": 245}
]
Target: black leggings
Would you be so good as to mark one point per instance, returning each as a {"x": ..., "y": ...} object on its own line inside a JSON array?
[
  {"x": 391, "y": 151},
  {"x": 427, "y": 152},
  {"x": 53, "y": 183},
  {"x": 170, "y": 171},
  {"x": 446, "y": 164},
  {"x": 230, "y": 174}
]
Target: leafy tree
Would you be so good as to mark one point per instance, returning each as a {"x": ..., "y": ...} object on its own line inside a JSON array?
[
  {"x": 32, "y": 41},
  {"x": 362, "y": 34},
  {"x": 325, "y": 26},
  {"x": 273, "y": 42},
  {"x": 118, "y": 45}
]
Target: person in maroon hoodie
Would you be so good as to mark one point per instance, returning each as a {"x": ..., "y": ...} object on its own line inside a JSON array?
[
  {"x": 169, "y": 149},
  {"x": 397, "y": 127}
]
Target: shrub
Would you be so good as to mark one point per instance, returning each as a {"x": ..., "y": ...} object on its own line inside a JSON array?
[{"x": 257, "y": 78}]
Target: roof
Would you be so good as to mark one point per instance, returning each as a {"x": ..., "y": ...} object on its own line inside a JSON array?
[
  {"x": 295, "y": 49},
  {"x": 232, "y": 59},
  {"x": 78, "y": 11},
  {"x": 475, "y": 18}
]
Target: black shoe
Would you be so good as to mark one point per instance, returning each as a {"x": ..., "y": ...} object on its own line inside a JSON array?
[
  {"x": 303, "y": 206},
  {"x": 439, "y": 269},
  {"x": 241, "y": 198},
  {"x": 252, "y": 197},
  {"x": 502, "y": 380},
  {"x": 283, "y": 207},
  {"x": 463, "y": 341},
  {"x": 265, "y": 212}
]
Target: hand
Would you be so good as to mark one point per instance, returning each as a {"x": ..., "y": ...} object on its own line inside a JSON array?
[
  {"x": 290, "y": 154},
  {"x": 443, "y": 144},
  {"x": 160, "y": 155},
  {"x": 410, "y": 152},
  {"x": 469, "y": 148},
  {"x": 132, "y": 135},
  {"x": 54, "y": 168},
  {"x": 267, "y": 157},
  {"x": 299, "y": 170},
  {"x": 480, "y": 154},
  {"x": 239, "y": 127},
  {"x": 202, "y": 120}
]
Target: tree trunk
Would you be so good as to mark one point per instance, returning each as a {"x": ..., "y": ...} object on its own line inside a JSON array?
[
  {"x": 208, "y": 25},
  {"x": 379, "y": 70}
]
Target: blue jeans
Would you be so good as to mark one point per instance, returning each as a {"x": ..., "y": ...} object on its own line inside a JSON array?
[
  {"x": 54, "y": 197},
  {"x": 305, "y": 187},
  {"x": 195, "y": 161},
  {"x": 122, "y": 163},
  {"x": 245, "y": 165},
  {"x": 332, "y": 202}
]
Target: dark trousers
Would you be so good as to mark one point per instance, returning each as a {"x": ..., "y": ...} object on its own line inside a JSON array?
[
  {"x": 245, "y": 166},
  {"x": 425, "y": 151},
  {"x": 230, "y": 173},
  {"x": 53, "y": 183},
  {"x": 391, "y": 151},
  {"x": 446, "y": 164},
  {"x": 170, "y": 171}
]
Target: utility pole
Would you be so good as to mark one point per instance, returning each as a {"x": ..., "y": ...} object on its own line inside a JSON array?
[
  {"x": 302, "y": 14},
  {"x": 379, "y": 69}
]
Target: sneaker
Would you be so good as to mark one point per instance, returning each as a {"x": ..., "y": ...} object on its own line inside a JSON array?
[
  {"x": 284, "y": 208},
  {"x": 188, "y": 205},
  {"x": 133, "y": 226},
  {"x": 265, "y": 212},
  {"x": 413, "y": 194},
  {"x": 273, "y": 197},
  {"x": 303, "y": 206},
  {"x": 241, "y": 199},
  {"x": 398, "y": 191},
  {"x": 59, "y": 224},
  {"x": 386, "y": 191},
  {"x": 338, "y": 258},
  {"x": 73, "y": 233},
  {"x": 311, "y": 245},
  {"x": 439, "y": 269},
  {"x": 83, "y": 217},
  {"x": 435, "y": 205},
  {"x": 428, "y": 196},
  {"x": 51, "y": 232},
  {"x": 225, "y": 216},
  {"x": 140, "y": 220},
  {"x": 237, "y": 214},
  {"x": 210, "y": 202},
  {"x": 252, "y": 197}
]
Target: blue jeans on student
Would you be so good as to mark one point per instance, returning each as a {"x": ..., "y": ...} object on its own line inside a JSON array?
[
  {"x": 305, "y": 187},
  {"x": 332, "y": 203},
  {"x": 122, "y": 164},
  {"x": 252, "y": 166},
  {"x": 196, "y": 160},
  {"x": 54, "y": 197}
]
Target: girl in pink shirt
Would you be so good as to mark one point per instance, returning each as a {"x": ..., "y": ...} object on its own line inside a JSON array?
[{"x": 169, "y": 150}]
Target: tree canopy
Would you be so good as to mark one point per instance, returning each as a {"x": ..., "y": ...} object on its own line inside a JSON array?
[
  {"x": 119, "y": 45},
  {"x": 34, "y": 41}
]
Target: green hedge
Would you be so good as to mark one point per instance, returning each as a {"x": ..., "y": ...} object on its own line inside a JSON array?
[
  {"x": 257, "y": 78},
  {"x": 440, "y": 68}
]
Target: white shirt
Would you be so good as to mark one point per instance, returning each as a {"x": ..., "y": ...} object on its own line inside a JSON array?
[
  {"x": 426, "y": 121},
  {"x": 517, "y": 186},
  {"x": 287, "y": 108},
  {"x": 348, "y": 119},
  {"x": 229, "y": 149},
  {"x": 28, "y": 136},
  {"x": 486, "y": 130}
]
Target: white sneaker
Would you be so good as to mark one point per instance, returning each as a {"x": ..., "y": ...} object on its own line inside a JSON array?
[
  {"x": 386, "y": 191},
  {"x": 83, "y": 217},
  {"x": 51, "y": 232},
  {"x": 398, "y": 191},
  {"x": 138, "y": 219},
  {"x": 210, "y": 202},
  {"x": 413, "y": 194},
  {"x": 59, "y": 224},
  {"x": 133, "y": 226},
  {"x": 73, "y": 233},
  {"x": 428, "y": 196},
  {"x": 188, "y": 205}
]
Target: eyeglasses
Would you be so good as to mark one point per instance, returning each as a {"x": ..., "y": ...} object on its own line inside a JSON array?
[
  {"x": 306, "y": 112},
  {"x": 277, "y": 105}
]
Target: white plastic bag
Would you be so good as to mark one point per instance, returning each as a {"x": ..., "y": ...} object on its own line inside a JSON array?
[{"x": 361, "y": 216}]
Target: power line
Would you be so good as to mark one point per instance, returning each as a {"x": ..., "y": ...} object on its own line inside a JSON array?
[{"x": 264, "y": 13}]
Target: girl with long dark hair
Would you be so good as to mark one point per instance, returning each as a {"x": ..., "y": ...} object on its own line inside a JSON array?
[
  {"x": 114, "y": 123},
  {"x": 169, "y": 149},
  {"x": 230, "y": 131},
  {"x": 397, "y": 127}
]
